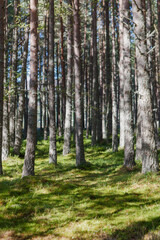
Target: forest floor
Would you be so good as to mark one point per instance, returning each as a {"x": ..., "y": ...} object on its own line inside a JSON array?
[{"x": 102, "y": 201}]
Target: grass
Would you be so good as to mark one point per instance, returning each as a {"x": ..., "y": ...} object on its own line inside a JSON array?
[{"x": 102, "y": 201}]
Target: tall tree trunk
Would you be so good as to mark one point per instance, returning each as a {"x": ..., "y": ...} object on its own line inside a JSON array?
[
  {"x": 6, "y": 142},
  {"x": 19, "y": 125},
  {"x": 2, "y": 11},
  {"x": 14, "y": 76},
  {"x": 80, "y": 158},
  {"x": 108, "y": 76},
  {"x": 129, "y": 161},
  {"x": 95, "y": 75},
  {"x": 114, "y": 88},
  {"x": 63, "y": 69},
  {"x": 121, "y": 73},
  {"x": 44, "y": 78},
  {"x": 28, "y": 167},
  {"x": 149, "y": 150},
  {"x": 52, "y": 125},
  {"x": 67, "y": 128}
]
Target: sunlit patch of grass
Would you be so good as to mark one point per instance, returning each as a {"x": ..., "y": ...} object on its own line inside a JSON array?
[{"x": 100, "y": 201}]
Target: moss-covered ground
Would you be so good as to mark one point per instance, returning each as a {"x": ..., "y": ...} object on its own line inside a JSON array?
[{"x": 101, "y": 201}]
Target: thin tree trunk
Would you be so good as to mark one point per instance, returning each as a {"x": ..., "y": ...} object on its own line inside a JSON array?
[
  {"x": 2, "y": 11},
  {"x": 63, "y": 70},
  {"x": 95, "y": 75},
  {"x": 14, "y": 76},
  {"x": 108, "y": 76},
  {"x": 121, "y": 72},
  {"x": 80, "y": 158},
  {"x": 28, "y": 167},
  {"x": 6, "y": 142},
  {"x": 44, "y": 78},
  {"x": 67, "y": 128},
  {"x": 114, "y": 88},
  {"x": 19, "y": 125},
  {"x": 52, "y": 125}
]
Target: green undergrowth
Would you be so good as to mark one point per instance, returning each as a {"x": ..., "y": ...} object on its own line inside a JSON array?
[{"x": 101, "y": 201}]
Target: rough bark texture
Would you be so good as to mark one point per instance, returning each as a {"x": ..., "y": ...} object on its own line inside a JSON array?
[
  {"x": 67, "y": 128},
  {"x": 114, "y": 88},
  {"x": 28, "y": 167},
  {"x": 149, "y": 150},
  {"x": 1, "y": 76},
  {"x": 19, "y": 125},
  {"x": 129, "y": 161},
  {"x": 80, "y": 159},
  {"x": 52, "y": 124}
]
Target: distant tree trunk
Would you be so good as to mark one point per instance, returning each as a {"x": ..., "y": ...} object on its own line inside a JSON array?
[
  {"x": 121, "y": 71},
  {"x": 6, "y": 142},
  {"x": 28, "y": 167},
  {"x": 44, "y": 78},
  {"x": 2, "y": 11},
  {"x": 108, "y": 75},
  {"x": 52, "y": 125},
  {"x": 80, "y": 158},
  {"x": 95, "y": 75},
  {"x": 129, "y": 161},
  {"x": 40, "y": 86},
  {"x": 104, "y": 82},
  {"x": 14, "y": 76},
  {"x": 149, "y": 150},
  {"x": 26, "y": 111},
  {"x": 19, "y": 125},
  {"x": 67, "y": 128},
  {"x": 63, "y": 70},
  {"x": 114, "y": 88}
]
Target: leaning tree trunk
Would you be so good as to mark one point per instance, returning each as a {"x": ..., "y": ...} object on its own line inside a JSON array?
[
  {"x": 2, "y": 10},
  {"x": 28, "y": 167},
  {"x": 80, "y": 158},
  {"x": 67, "y": 128},
  {"x": 19, "y": 125},
  {"x": 129, "y": 161},
  {"x": 149, "y": 150},
  {"x": 52, "y": 124}
]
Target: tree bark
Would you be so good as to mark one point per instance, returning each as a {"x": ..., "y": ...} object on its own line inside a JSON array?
[
  {"x": 6, "y": 142},
  {"x": 67, "y": 128},
  {"x": 52, "y": 124},
  {"x": 2, "y": 11},
  {"x": 28, "y": 167},
  {"x": 14, "y": 76},
  {"x": 80, "y": 158},
  {"x": 19, "y": 125},
  {"x": 114, "y": 88},
  {"x": 121, "y": 72},
  {"x": 149, "y": 150},
  {"x": 129, "y": 161}
]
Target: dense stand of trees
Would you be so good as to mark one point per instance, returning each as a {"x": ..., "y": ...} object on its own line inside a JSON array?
[{"x": 72, "y": 66}]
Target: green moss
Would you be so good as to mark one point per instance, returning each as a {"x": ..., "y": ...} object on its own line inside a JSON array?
[{"x": 102, "y": 200}]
